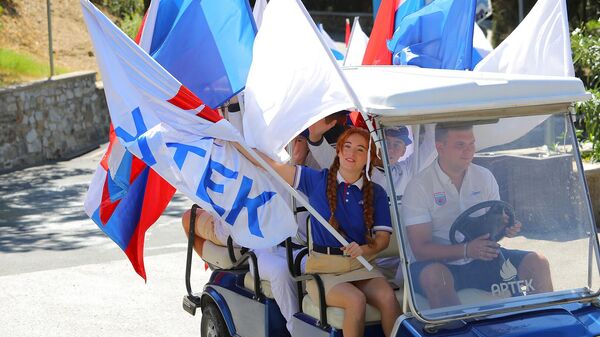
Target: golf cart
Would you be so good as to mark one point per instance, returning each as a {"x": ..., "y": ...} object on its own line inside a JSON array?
[{"x": 524, "y": 136}]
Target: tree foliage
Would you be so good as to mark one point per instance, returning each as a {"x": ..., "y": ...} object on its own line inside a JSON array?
[
  {"x": 129, "y": 13},
  {"x": 506, "y": 15},
  {"x": 122, "y": 8},
  {"x": 585, "y": 43}
]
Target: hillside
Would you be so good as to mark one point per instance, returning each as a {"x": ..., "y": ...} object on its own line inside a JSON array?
[{"x": 23, "y": 28}]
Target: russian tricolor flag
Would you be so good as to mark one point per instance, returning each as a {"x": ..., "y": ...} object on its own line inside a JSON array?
[
  {"x": 125, "y": 196},
  {"x": 389, "y": 15},
  {"x": 206, "y": 45}
]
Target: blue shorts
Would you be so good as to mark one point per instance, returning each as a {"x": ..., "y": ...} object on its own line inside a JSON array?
[{"x": 475, "y": 274}]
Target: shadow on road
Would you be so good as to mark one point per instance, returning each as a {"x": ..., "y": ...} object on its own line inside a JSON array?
[
  {"x": 41, "y": 208},
  {"x": 32, "y": 200}
]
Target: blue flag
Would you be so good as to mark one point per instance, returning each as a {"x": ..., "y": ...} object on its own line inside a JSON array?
[
  {"x": 440, "y": 36},
  {"x": 206, "y": 45},
  {"x": 405, "y": 9}
]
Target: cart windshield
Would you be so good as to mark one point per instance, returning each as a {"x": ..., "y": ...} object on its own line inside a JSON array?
[{"x": 493, "y": 214}]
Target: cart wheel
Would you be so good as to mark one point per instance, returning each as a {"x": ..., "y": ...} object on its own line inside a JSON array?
[{"x": 212, "y": 324}]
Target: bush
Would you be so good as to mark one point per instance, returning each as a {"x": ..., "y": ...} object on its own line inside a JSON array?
[
  {"x": 585, "y": 43},
  {"x": 131, "y": 24},
  {"x": 122, "y": 8},
  {"x": 129, "y": 14}
]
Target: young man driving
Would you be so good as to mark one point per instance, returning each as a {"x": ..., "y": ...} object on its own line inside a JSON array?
[{"x": 433, "y": 200}]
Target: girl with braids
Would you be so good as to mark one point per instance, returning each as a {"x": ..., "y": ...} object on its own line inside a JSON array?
[{"x": 358, "y": 209}]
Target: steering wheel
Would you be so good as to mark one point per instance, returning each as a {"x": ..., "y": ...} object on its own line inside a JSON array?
[{"x": 492, "y": 222}]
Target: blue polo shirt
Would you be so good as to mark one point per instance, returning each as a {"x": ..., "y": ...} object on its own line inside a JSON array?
[{"x": 349, "y": 210}]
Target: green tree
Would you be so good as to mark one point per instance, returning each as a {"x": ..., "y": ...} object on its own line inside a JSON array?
[
  {"x": 506, "y": 15},
  {"x": 585, "y": 43}
]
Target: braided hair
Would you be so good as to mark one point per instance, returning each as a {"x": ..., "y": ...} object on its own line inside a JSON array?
[{"x": 367, "y": 188}]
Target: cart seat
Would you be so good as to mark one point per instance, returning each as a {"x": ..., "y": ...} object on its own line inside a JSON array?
[
  {"x": 217, "y": 256},
  {"x": 335, "y": 315},
  {"x": 264, "y": 285}
]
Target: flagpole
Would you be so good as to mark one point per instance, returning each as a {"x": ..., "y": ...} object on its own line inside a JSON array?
[
  {"x": 300, "y": 198},
  {"x": 349, "y": 89}
]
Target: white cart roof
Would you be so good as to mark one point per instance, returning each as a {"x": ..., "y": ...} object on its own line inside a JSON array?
[{"x": 408, "y": 94}]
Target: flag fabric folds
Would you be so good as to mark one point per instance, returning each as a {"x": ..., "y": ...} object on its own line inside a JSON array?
[
  {"x": 356, "y": 45},
  {"x": 347, "y": 33},
  {"x": 123, "y": 178},
  {"x": 216, "y": 34},
  {"x": 440, "y": 36},
  {"x": 331, "y": 44},
  {"x": 383, "y": 28},
  {"x": 406, "y": 8},
  {"x": 540, "y": 45},
  {"x": 293, "y": 82},
  {"x": 481, "y": 46},
  {"x": 257, "y": 12},
  {"x": 125, "y": 198},
  {"x": 171, "y": 130}
]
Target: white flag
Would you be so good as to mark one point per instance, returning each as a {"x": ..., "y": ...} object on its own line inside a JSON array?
[
  {"x": 480, "y": 43},
  {"x": 293, "y": 81},
  {"x": 356, "y": 46},
  {"x": 166, "y": 126},
  {"x": 540, "y": 45},
  {"x": 331, "y": 44}
]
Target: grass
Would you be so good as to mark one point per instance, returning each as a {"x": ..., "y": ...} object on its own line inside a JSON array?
[{"x": 17, "y": 67}]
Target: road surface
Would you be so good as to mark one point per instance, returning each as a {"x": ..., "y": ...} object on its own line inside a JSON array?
[{"x": 61, "y": 276}]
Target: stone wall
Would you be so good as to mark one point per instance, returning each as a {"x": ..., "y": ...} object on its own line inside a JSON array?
[{"x": 50, "y": 120}]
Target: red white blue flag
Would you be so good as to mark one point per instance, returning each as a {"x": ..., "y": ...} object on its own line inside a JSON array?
[
  {"x": 387, "y": 21},
  {"x": 172, "y": 132},
  {"x": 206, "y": 45}
]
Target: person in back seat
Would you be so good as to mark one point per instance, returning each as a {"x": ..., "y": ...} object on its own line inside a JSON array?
[
  {"x": 433, "y": 200},
  {"x": 358, "y": 209},
  {"x": 272, "y": 262}
]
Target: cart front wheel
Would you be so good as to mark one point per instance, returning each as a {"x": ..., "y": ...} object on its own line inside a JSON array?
[{"x": 212, "y": 324}]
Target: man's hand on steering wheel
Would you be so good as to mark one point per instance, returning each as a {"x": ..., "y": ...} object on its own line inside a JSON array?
[
  {"x": 511, "y": 232},
  {"x": 482, "y": 248}
]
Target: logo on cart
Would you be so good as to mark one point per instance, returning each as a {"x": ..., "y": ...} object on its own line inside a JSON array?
[
  {"x": 508, "y": 271},
  {"x": 511, "y": 286},
  {"x": 440, "y": 198}
]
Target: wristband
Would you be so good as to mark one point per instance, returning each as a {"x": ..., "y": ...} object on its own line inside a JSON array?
[
  {"x": 465, "y": 251},
  {"x": 233, "y": 107},
  {"x": 317, "y": 143}
]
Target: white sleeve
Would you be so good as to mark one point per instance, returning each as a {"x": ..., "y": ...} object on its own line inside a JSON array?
[
  {"x": 378, "y": 177},
  {"x": 235, "y": 118},
  {"x": 415, "y": 205},
  {"x": 322, "y": 153},
  {"x": 427, "y": 151}
]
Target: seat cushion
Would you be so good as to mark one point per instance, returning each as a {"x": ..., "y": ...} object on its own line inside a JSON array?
[
  {"x": 335, "y": 315},
  {"x": 264, "y": 285},
  {"x": 217, "y": 256}
]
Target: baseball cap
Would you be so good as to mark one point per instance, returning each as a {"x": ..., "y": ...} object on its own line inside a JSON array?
[{"x": 399, "y": 132}]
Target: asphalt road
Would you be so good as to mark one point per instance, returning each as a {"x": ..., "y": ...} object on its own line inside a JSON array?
[{"x": 61, "y": 276}]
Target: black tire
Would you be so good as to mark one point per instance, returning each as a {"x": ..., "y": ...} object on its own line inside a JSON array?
[{"x": 213, "y": 324}]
